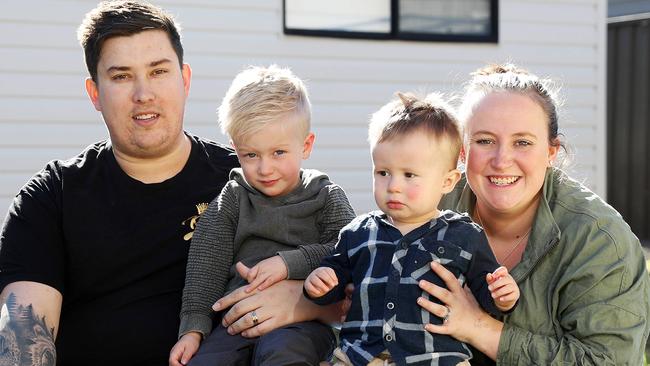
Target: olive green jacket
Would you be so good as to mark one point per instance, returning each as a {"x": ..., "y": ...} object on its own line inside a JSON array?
[{"x": 584, "y": 288}]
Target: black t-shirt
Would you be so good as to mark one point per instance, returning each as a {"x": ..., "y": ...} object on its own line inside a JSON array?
[{"x": 116, "y": 249}]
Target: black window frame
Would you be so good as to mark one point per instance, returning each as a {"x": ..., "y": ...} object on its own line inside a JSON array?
[{"x": 395, "y": 34}]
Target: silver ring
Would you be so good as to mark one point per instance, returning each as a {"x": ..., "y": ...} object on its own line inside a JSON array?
[
  {"x": 254, "y": 317},
  {"x": 446, "y": 317}
]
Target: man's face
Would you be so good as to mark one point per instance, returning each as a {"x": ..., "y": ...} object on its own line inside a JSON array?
[{"x": 141, "y": 91}]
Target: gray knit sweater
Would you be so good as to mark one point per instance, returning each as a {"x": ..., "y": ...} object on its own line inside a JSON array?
[{"x": 242, "y": 224}]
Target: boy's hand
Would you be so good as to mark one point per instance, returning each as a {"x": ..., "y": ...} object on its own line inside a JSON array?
[
  {"x": 320, "y": 281},
  {"x": 184, "y": 349},
  {"x": 503, "y": 288},
  {"x": 264, "y": 273}
]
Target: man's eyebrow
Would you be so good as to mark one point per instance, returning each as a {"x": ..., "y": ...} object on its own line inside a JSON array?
[
  {"x": 127, "y": 68},
  {"x": 158, "y": 62}
]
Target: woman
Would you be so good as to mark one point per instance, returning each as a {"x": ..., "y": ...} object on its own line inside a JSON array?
[{"x": 584, "y": 289}]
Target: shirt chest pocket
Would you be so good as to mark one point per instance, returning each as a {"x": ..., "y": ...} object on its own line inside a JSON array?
[{"x": 450, "y": 255}]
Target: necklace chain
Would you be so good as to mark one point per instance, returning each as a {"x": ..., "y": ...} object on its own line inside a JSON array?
[{"x": 512, "y": 250}]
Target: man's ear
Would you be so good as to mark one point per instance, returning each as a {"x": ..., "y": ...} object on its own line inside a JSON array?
[
  {"x": 186, "y": 70},
  {"x": 93, "y": 93},
  {"x": 449, "y": 181},
  {"x": 308, "y": 145}
]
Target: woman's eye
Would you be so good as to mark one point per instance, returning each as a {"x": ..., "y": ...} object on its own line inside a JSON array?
[
  {"x": 484, "y": 141},
  {"x": 523, "y": 143}
]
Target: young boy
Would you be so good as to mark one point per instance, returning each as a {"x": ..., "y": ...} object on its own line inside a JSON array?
[
  {"x": 272, "y": 216},
  {"x": 415, "y": 145}
]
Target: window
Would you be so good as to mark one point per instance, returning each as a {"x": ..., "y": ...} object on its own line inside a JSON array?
[{"x": 426, "y": 20}]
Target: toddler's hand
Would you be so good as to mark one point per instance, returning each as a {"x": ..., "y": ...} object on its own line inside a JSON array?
[
  {"x": 264, "y": 273},
  {"x": 320, "y": 281},
  {"x": 184, "y": 349},
  {"x": 503, "y": 288}
]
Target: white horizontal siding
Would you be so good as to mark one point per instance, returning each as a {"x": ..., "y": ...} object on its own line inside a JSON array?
[{"x": 45, "y": 114}]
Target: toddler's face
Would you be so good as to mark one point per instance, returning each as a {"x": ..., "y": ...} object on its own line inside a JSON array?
[
  {"x": 271, "y": 157},
  {"x": 411, "y": 173}
]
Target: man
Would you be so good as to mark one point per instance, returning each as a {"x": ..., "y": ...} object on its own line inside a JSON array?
[{"x": 93, "y": 250}]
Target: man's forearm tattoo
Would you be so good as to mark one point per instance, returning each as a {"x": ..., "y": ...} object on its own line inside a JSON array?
[{"x": 24, "y": 337}]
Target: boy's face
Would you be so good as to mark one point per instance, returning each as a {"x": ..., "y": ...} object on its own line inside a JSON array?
[
  {"x": 271, "y": 157},
  {"x": 410, "y": 174},
  {"x": 141, "y": 91}
]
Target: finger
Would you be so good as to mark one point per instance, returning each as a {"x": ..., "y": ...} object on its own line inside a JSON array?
[
  {"x": 436, "y": 309},
  {"x": 187, "y": 355},
  {"x": 175, "y": 355},
  {"x": 436, "y": 291},
  {"x": 256, "y": 282},
  {"x": 260, "y": 329},
  {"x": 331, "y": 279},
  {"x": 232, "y": 298},
  {"x": 437, "y": 329},
  {"x": 349, "y": 290},
  {"x": 242, "y": 269},
  {"x": 253, "y": 273},
  {"x": 501, "y": 271},
  {"x": 246, "y": 322},
  {"x": 447, "y": 277},
  {"x": 267, "y": 283},
  {"x": 311, "y": 290},
  {"x": 489, "y": 278}
]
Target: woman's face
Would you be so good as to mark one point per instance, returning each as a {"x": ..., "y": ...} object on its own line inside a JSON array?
[{"x": 507, "y": 151}]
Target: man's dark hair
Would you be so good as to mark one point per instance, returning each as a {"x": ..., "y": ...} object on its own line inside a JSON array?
[{"x": 123, "y": 18}]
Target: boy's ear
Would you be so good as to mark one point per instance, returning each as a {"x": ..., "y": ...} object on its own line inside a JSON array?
[
  {"x": 449, "y": 181},
  {"x": 308, "y": 145}
]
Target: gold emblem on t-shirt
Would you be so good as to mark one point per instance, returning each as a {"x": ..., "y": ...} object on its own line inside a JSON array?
[{"x": 191, "y": 222}]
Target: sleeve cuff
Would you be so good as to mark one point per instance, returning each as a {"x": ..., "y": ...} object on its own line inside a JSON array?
[
  {"x": 297, "y": 268},
  {"x": 511, "y": 345},
  {"x": 195, "y": 323}
]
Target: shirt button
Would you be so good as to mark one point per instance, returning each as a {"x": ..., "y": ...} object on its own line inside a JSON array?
[
  {"x": 390, "y": 305},
  {"x": 388, "y": 338},
  {"x": 405, "y": 245},
  {"x": 441, "y": 250}
]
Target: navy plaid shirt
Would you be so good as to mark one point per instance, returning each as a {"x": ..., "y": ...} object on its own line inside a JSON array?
[{"x": 385, "y": 268}]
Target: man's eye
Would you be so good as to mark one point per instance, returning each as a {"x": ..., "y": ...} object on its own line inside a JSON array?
[
  {"x": 159, "y": 71},
  {"x": 119, "y": 77}
]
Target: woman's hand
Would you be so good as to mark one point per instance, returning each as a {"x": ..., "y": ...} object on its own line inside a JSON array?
[{"x": 465, "y": 320}]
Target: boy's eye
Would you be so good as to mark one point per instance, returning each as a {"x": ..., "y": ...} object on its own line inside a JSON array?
[
  {"x": 484, "y": 141},
  {"x": 382, "y": 173},
  {"x": 280, "y": 152},
  {"x": 409, "y": 175},
  {"x": 250, "y": 155}
]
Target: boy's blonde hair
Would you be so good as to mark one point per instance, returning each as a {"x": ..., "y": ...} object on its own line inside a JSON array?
[
  {"x": 408, "y": 113},
  {"x": 259, "y": 95}
]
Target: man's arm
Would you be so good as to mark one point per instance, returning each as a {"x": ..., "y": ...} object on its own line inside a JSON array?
[{"x": 29, "y": 320}]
